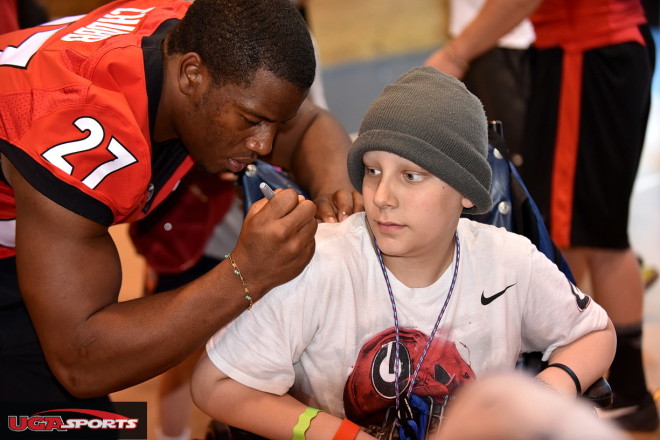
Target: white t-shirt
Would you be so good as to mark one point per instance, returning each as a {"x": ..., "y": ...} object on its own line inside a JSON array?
[{"x": 327, "y": 336}]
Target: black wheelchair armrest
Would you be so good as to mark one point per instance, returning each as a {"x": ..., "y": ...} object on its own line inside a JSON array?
[{"x": 599, "y": 393}]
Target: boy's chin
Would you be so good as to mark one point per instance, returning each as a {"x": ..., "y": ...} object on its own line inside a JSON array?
[{"x": 391, "y": 250}]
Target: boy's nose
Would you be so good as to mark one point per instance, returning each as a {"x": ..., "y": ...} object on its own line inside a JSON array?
[{"x": 384, "y": 196}]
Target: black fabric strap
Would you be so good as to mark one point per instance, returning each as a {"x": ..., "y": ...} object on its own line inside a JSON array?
[{"x": 570, "y": 373}]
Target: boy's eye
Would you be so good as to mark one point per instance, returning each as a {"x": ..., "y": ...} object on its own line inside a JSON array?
[
  {"x": 371, "y": 171},
  {"x": 412, "y": 177}
]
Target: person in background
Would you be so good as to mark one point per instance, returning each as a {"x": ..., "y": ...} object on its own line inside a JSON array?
[
  {"x": 22, "y": 14},
  {"x": 592, "y": 68},
  {"x": 500, "y": 76},
  {"x": 136, "y": 93}
]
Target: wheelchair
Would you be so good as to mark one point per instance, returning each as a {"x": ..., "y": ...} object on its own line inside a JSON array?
[{"x": 515, "y": 210}]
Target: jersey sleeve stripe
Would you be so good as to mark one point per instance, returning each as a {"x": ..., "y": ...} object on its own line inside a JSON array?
[{"x": 60, "y": 192}]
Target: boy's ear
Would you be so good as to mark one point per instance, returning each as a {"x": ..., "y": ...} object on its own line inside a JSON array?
[{"x": 467, "y": 204}]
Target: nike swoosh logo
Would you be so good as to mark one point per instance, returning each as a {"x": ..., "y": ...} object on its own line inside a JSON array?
[
  {"x": 485, "y": 301},
  {"x": 582, "y": 303}
]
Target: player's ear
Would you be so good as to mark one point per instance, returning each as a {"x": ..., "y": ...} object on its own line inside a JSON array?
[
  {"x": 191, "y": 73},
  {"x": 467, "y": 204}
]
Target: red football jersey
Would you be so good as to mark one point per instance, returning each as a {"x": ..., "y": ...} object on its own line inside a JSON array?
[
  {"x": 78, "y": 98},
  {"x": 586, "y": 24}
]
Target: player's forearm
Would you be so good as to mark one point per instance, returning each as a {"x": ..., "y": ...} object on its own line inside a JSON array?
[
  {"x": 129, "y": 342},
  {"x": 319, "y": 162},
  {"x": 314, "y": 147},
  {"x": 95, "y": 345},
  {"x": 589, "y": 357}
]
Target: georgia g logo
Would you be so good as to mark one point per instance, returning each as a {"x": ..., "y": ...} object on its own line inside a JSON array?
[
  {"x": 383, "y": 372},
  {"x": 370, "y": 389}
]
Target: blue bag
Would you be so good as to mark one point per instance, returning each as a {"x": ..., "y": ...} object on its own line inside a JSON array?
[{"x": 261, "y": 171}]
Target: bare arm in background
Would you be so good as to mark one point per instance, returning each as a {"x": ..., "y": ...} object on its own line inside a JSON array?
[
  {"x": 496, "y": 18},
  {"x": 315, "y": 149}
]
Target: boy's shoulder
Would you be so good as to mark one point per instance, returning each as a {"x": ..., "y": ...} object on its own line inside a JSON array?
[
  {"x": 341, "y": 246},
  {"x": 489, "y": 238},
  {"x": 353, "y": 226},
  {"x": 346, "y": 240}
]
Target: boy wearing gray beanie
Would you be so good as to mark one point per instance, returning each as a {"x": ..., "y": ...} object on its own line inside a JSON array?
[
  {"x": 447, "y": 137},
  {"x": 404, "y": 303}
]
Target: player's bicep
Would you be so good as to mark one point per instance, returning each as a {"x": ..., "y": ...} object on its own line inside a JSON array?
[{"x": 68, "y": 267}]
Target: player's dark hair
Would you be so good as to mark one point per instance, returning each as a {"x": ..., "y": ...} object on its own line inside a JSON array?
[{"x": 235, "y": 38}]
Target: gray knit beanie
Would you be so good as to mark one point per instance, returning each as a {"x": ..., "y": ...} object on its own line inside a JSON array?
[{"x": 431, "y": 119}]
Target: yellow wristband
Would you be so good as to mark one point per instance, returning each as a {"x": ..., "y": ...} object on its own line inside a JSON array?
[{"x": 304, "y": 421}]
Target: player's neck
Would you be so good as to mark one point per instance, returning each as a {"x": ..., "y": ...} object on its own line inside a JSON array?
[{"x": 164, "y": 125}]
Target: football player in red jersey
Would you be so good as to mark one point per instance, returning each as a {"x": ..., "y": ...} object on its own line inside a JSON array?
[{"x": 101, "y": 117}]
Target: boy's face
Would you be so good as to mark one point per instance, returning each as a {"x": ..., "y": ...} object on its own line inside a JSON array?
[{"x": 410, "y": 211}]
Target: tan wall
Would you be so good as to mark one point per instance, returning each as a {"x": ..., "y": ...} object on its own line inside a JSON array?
[
  {"x": 346, "y": 30},
  {"x": 132, "y": 264},
  {"x": 352, "y": 30}
]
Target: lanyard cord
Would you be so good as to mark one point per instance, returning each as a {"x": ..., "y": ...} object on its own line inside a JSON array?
[{"x": 397, "y": 361}]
